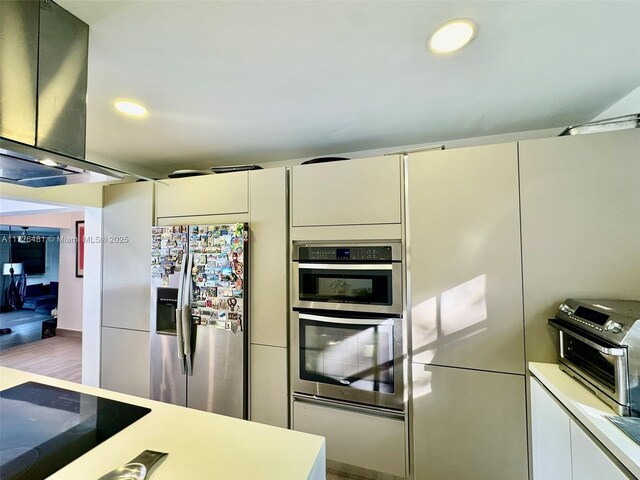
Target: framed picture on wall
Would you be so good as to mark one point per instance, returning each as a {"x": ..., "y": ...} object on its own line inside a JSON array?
[{"x": 79, "y": 249}]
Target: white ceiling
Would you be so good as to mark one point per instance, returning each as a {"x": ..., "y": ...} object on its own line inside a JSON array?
[{"x": 250, "y": 82}]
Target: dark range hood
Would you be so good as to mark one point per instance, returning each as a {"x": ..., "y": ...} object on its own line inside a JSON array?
[{"x": 43, "y": 90}]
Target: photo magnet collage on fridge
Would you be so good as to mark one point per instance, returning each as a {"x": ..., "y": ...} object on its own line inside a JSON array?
[
  {"x": 217, "y": 275},
  {"x": 168, "y": 247},
  {"x": 217, "y": 270}
]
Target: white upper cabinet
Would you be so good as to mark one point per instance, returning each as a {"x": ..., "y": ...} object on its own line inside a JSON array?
[
  {"x": 354, "y": 192},
  {"x": 127, "y": 220},
  {"x": 580, "y": 226},
  {"x": 463, "y": 230},
  {"x": 203, "y": 195},
  {"x": 268, "y": 257}
]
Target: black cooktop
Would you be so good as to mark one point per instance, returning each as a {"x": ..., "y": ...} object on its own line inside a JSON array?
[{"x": 43, "y": 428}]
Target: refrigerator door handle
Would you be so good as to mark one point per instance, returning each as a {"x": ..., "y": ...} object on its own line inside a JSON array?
[
  {"x": 179, "y": 319},
  {"x": 186, "y": 316},
  {"x": 186, "y": 327},
  {"x": 179, "y": 338},
  {"x": 181, "y": 282}
]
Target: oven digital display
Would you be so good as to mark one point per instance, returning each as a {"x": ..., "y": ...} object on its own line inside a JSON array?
[
  {"x": 375, "y": 253},
  {"x": 343, "y": 253},
  {"x": 591, "y": 315}
]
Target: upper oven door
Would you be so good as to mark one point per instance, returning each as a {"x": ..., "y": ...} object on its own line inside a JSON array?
[{"x": 355, "y": 287}]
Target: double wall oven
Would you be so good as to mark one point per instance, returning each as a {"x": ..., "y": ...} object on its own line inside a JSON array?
[{"x": 347, "y": 323}]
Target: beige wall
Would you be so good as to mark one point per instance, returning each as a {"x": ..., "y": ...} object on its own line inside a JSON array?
[
  {"x": 84, "y": 194},
  {"x": 49, "y": 220}
]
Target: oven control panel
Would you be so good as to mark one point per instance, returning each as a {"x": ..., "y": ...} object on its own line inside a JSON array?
[
  {"x": 587, "y": 317},
  {"x": 346, "y": 254},
  {"x": 610, "y": 319}
]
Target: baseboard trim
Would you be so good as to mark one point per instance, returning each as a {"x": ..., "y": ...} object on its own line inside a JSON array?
[{"x": 63, "y": 332}]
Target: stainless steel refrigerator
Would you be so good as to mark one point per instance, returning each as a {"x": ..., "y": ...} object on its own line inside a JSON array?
[{"x": 199, "y": 326}]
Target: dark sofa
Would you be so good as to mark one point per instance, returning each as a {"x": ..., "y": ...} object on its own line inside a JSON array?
[{"x": 40, "y": 296}]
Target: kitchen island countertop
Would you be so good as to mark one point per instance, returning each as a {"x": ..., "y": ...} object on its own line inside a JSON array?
[
  {"x": 590, "y": 411},
  {"x": 200, "y": 445}
]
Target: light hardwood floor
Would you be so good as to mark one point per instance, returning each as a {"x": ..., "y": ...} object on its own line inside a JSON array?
[{"x": 58, "y": 357}]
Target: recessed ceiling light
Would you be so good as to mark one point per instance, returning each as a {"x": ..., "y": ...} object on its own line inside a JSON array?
[
  {"x": 130, "y": 108},
  {"x": 48, "y": 162},
  {"x": 452, "y": 36}
]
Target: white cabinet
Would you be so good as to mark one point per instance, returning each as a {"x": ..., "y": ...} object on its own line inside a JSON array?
[
  {"x": 551, "y": 436},
  {"x": 203, "y": 195},
  {"x": 354, "y": 192},
  {"x": 580, "y": 226},
  {"x": 269, "y": 386},
  {"x": 367, "y": 441},
  {"x": 561, "y": 448},
  {"x": 588, "y": 461},
  {"x": 125, "y": 361},
  {"x": 463, "y": 229},
  {"x": 127, "y": 220},
  {"x": 268, "y": 210},
  {"x": 268, "y": 256},
  {"x": 468, "y": 424}
]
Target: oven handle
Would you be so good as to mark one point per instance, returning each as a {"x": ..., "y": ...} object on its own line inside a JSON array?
[
  {"x": 339, "y": 266},
  {"x": 352, "y": 321},
  {"x": 614, "y": 352},
  {"x": 369, "y": 409}
]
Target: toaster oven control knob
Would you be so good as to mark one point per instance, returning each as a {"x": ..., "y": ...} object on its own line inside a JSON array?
[
  {"x": 566, "y": 309},
  {"x": 614, "y": 327}
]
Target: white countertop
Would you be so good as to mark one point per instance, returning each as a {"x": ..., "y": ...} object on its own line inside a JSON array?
[
  {"x": 590, "y": 411},
  {"x": 200, "y": 445}
]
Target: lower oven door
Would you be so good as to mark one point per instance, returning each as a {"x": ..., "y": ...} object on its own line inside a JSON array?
[
  {"x": 601, "y": 367},
  {"x": 348, "y": 358}
]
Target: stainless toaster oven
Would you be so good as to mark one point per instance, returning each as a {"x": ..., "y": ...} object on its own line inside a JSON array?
[{"x": 600, "y": 347}]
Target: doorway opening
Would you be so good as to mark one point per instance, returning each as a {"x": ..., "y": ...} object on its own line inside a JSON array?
[{"x": 42, "y": 288}]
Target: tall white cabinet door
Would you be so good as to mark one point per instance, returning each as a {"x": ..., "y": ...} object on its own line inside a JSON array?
[
  {"x": 354, "y": 192},
  {"x": 269, "y": 386},
  {"x": 580, "y": 226},
  {"x": 268, "y": 256},
  {"x": 551, "y": 436},
  {"x": 268, "y": 201},
  {"x": 468, "y": 424},
  {"x": 127, "y": 219},
  {"x": 464, "y": 258},
  {"x": 125, "y": 361},
  {"x": 588, "y": 461}
]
